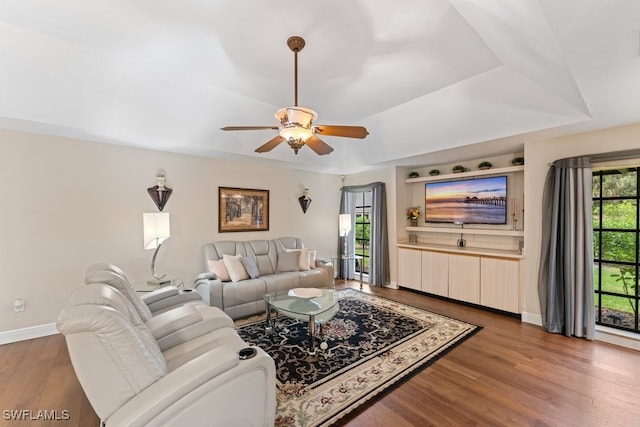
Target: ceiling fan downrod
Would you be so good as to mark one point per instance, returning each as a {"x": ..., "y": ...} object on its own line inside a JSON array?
[{"x": 296, "y": 44}]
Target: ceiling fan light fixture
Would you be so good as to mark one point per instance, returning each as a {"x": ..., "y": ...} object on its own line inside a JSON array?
[
  {"x": 296, "y": 117},
  {"x": 296, "y": 125}
]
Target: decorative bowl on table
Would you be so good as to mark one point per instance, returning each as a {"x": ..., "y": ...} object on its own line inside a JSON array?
[
  {"x": 304, "y": 299},
  {"x": 305, "y": 293}
]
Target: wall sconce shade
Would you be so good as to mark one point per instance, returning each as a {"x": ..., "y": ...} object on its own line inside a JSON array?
[
  {"x": 305, "y": 200},
  {"x": 160, "y": 193},
  {"x": 156, "y": 229}
]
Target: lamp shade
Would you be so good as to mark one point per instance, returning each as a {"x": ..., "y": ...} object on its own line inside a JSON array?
[
  {"x": 156, "y": 227},
  {"x": 345, "y": 224}
]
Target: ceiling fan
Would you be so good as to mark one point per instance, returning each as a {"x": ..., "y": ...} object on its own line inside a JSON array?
[{"x": 296, "y": 123}]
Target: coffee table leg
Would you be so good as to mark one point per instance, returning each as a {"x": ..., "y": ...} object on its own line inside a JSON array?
[
  {"x": 269, "y": 325},
  {"x": 312, "y": 335}
]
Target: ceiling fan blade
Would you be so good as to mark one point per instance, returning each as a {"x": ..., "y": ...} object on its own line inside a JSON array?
[
  {"x": 250, "y": 128},
  {"x": 270, "y": 145},
  {"x": 346, "y": 131},
  {"x": 319, "y": 146}
]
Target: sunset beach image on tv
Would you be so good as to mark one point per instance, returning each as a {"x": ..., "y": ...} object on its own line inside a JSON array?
[{"x": 472, "y": 201}]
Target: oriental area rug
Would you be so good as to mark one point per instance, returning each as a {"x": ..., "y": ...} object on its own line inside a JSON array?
[{"x": 372, "y": 342}]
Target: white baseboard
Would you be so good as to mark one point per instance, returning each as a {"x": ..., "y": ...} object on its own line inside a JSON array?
[
  {"x": 29, "y": 333},
  {"x": 604, "y": 334},
  {"x": 618, "y": 337},
  {"x": 534, "y": 319}
]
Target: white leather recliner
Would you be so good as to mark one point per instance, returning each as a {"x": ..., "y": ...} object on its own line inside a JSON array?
[
  {"x": 129, "y": 382},
  {"x": 162, "y": 299}
]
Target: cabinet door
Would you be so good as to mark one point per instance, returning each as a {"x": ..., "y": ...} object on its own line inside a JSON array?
[
  {"x": 464, "y": 278},
  {"x": 409, "y": 274},
  {"x": 435, "y": 273},
  {"x": 500, "y": 284}
]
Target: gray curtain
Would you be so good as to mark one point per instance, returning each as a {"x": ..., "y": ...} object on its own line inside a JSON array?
[
  {"x": 347, "y": 269},
  {"x": 565, "y": 282},
  {"x": 379, "y": 274}
]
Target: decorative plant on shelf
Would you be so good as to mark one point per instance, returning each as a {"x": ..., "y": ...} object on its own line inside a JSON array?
[
  {"x": 434, "y": 172},
  {"x": 458, "y": 168},
  {"x": 517, "y": 161},
  {"x": 485, "y": 165},
  {"x": 414, "y": 174},
  {"x": 413, "y": 213}
]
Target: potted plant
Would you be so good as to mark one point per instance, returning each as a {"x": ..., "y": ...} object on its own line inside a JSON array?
[
  {"x": 485, "y": 165},
  {"x": 517, "y": 161},
  {"x": 413, "y": 174},
  {"x": 458, "y": 168},
  {"x": 413, "y": 213},
  {"x": 434, "y": 172}
]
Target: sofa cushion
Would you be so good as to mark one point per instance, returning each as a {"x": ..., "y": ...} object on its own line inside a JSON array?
[
  {"x": 303, "y": 258},
  {"x": 237, "y": 272},
  {"x": 312, "y": 258},
  {"x": 288, "y": 261},
  {"x": 218, "y": 267},
  {"x": 251, "y": 267}
]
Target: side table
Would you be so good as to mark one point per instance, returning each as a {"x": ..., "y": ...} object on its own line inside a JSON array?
[{"x": 143, "y": 287}]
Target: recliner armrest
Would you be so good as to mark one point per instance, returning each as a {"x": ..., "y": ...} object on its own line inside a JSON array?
[
  {"x": 215, "y": 382},
  {"x": 185, "y": 296},
  {"x": 160, "y": 294},
  {"x": 173, "y": 321},
  {"x": 210, "y": 291}
]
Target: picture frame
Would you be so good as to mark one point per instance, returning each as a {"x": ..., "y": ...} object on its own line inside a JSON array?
[{"x": 242, "y": 209}]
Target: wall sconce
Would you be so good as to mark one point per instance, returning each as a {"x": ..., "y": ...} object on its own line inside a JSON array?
[
  {"x": 156, "y": 229},
  {"x": 305, "y": 200},
  {"x": 160, "y": 192}
]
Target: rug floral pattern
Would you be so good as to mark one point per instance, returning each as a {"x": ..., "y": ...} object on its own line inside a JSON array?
[{"x": 372, "y": 343}]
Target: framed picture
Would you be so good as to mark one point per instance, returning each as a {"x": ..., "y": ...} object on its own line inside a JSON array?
[{"x": 242, "y": 209}]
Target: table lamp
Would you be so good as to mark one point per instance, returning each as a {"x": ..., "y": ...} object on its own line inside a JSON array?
[{"x": 157, "y": 229}]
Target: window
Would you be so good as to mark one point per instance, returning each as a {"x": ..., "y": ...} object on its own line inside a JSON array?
[
  {"x": 616, "y": 230},
  {"x": 363, "y": 230}
]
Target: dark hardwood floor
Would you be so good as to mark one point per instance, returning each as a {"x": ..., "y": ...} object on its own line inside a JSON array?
[{"x": 508, "y": 374}]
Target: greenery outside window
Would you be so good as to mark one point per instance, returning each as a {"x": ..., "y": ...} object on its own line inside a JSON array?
[
  {"x": 616, "y": 234},
  {"x": 363, "y": 230}
]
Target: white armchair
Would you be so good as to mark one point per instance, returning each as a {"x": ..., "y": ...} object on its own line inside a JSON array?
[
  {"x": 128, "y": 381},
  {"x": 162, "y": 299}
]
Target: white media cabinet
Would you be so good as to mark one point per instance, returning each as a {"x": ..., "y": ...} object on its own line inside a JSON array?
[{"x": 488, "y": 271}]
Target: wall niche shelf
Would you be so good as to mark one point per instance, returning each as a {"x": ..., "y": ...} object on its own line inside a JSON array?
[
  {"x": 458, "y": 230},
  {"x": 462, "y": 175}
]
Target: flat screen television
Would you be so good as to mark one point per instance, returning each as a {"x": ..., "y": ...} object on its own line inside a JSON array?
[{"x": 470, "y": 201}]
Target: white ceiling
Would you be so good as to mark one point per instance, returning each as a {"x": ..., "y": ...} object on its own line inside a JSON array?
[{"x": 423, "y": 76}]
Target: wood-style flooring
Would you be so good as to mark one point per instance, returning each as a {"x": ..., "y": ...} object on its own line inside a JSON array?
[{"x": 509, "y": 374}]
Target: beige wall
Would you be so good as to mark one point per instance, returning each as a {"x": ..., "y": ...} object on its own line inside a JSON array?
[
  {"x": 67, "y": 204},
  {"x": 538, "y": 156}
]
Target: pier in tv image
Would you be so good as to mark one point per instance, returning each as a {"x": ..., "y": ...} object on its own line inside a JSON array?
[{"x": 471, "y": 201}]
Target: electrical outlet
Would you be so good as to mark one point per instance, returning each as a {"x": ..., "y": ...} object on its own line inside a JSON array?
[{"x": 18, "y": 305}]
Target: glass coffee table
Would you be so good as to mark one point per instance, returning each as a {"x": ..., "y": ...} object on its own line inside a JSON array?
[{"x": 315, "y": 306}]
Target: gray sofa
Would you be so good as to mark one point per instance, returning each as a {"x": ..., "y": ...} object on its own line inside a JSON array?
[{"x": 246, "y": 297}]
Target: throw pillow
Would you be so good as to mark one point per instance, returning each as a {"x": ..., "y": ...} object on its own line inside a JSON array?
[
  {"x": 303, "y": 259},
  {"x": 288, "y": 261},
  {"x": 237, "y": 272},
  {"x": 251, "y": 267},
  {"x": 218, "y": 267},
  {"x": 312, "y": 258}
]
